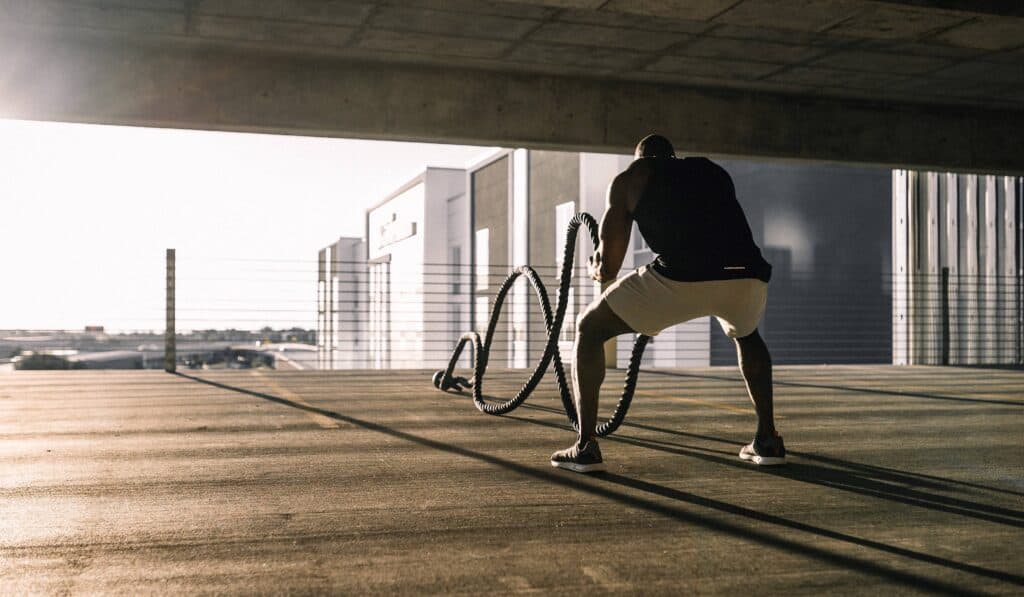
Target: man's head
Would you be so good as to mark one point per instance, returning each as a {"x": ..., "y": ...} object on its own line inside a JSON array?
[{"x": 654, "y": 146}]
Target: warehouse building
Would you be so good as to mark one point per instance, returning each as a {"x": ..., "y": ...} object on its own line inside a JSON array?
[{"x": 848, "y": 284}]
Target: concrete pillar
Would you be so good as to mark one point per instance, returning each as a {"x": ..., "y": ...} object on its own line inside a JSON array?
[
  {"x": 170, "y": 340},
  {"x": 329, "y": 298},
  {"x": 901, "y": 273},
  {"x": 519, "y": 239},
  {"x": 320, "y": 309},
  {"x": 988, "y": 247},
  {"x": 929, "y": 269},
  {"x": 969, "y": 270},
  {"x": 1009, "y": 271},
  {"x": 950, "y": 243}
]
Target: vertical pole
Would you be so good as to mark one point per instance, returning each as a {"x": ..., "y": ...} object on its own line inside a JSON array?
[
  {"x": 900, "y": 268},
  {"x": 611, "y": 346},
  {"x": 332, "y": 256},
  {"x": 968, "y": 280},
  {"x": 952, "y": 260},
  {"x": 170, "y": 348},
  {"x": 931, "y": 259},
  {"x": 944, "y": 302}
]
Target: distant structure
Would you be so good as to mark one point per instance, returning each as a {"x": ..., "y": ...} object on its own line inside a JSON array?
[
  {"x": 521, "y": 202},
  {"x": 378, "y": 298},
  {"x": 958, "y": 254},
  {"x": 436, "y": 250},
  {"x": 438, "y": 247},
  {"x": 414, "y": 249},
  {"x": 341, "y": 289}
]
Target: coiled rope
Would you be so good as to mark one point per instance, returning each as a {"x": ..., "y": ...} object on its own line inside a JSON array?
[{"x": 446, "y": 380}]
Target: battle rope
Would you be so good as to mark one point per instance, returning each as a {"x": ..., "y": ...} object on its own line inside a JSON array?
[{"x": 446, "y": 380}]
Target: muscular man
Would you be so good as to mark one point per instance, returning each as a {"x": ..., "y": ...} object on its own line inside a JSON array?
[{"x": 707, "y": 264}]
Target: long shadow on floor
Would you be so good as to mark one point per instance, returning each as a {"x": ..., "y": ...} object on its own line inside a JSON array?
[
  {"x": 599, "y": 487},
  {"x": 856, "y": 478},
  {"x": 843, "y": 388},
  {"x": 890, "y": 474}
]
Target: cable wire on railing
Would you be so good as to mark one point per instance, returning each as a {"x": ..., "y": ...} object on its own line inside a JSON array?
[{"x": 813, "y": 315}]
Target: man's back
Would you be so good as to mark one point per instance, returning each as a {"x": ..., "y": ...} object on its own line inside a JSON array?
[
  {"x": 686, "y": 210},
  {"x": 708, "y": 265}
]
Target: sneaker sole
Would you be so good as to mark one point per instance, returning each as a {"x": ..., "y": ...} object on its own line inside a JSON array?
[
  {"x": 580, "y": 468},
  {"x": 764, "y": 460}
]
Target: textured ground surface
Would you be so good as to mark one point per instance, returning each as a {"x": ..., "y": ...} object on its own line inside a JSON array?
[{"x": 901, "y": 480}]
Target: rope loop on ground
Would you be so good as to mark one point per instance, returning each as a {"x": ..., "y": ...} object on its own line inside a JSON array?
[{"x": 446, "y": 379}]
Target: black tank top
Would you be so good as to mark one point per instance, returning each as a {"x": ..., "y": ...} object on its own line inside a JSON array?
[{"x": 689, "y": 216}]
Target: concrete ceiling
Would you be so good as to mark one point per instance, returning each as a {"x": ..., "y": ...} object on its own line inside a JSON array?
[
  {"x": 965, "y": 53},
  {"x": 875, "y": 63}
]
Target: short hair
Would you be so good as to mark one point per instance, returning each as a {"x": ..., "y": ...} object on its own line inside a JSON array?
[{"x": 654, "y": 146}]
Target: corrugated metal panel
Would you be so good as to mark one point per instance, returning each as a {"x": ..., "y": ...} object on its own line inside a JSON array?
[{"x": 968, "y": 225}]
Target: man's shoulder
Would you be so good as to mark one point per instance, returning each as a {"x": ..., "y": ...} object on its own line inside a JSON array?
[
  {"x": 700, "y": 162},
  {"x": 702, "y": 168},
  {"x": 636, "y": 174},
  {"x": 643, "y": 166},
  {"x": 640, "y": 166}
]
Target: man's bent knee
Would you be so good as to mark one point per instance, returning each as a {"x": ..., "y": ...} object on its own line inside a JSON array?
[
  {"x": 751, "y": 338},
  {"x": 599, "y": 323},
  {"x": 588, "y": 324}
]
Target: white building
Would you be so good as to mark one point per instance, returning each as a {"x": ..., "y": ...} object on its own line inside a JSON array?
[
  {"x": 341, "y": 305},
  {"x": 849, "y": 274},
  {"x": 521, "y": 202},
  {"x": 438, "y": 248},
  {"x": 415, "y": 253}
]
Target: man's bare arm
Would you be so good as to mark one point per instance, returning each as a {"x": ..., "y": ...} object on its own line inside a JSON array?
[{"x": 616, "y": 226}]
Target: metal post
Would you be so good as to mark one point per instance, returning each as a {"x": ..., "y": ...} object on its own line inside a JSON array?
[
  {"x": 611, "y": 346},
  {"x": 170, "y": 348},
  {"x": 944, "y": 305},
  {"x": 1019, "y": 257}
]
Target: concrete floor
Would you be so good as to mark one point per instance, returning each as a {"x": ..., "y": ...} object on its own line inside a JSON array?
[{"x": 902, "y": 480}]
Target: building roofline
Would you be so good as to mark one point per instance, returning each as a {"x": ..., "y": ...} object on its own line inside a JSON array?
[
  {"x": 489, "y": 158},
  {"x": 419, "y": 178},
  {"x": 341, "y": 238}
]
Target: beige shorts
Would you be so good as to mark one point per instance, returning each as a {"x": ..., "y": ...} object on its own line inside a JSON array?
[{"x": 649, "y": 302}]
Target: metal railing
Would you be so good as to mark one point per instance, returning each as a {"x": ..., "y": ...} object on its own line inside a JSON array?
[
  {"x": 386, "y": 314},
  {"x": 378, "y": 315}
]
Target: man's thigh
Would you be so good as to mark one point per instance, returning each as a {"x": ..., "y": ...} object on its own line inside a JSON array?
[{"x": 648, "y": 302}]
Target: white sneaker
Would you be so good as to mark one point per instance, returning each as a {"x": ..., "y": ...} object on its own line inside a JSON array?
[
  {"x": 582, "y": 457},
  {"x": 770, "y": 453}
]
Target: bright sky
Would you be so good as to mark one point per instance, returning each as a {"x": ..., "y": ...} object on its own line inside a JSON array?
[{"x": 87, "y": 211}]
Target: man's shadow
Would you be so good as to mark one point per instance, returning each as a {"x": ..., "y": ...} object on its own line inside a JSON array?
[
  {"x": 853, "y": 389},
  {"x": 862, "y": 479}
]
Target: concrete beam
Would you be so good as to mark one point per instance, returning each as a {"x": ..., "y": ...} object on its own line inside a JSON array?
[{"x": 167, "y": 84}]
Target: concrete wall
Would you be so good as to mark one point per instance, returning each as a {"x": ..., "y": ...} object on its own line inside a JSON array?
[
  {"x": 88, "y": 78},
  {"x": 396, "y": 231},
  {"x": 341, "y": 305},
  {"x": 490, "y": 197},
  {"x": 826, "y": 231},
  {"x": 554, "y": 179},
  {"x": 348, "y": 344},
  {"x": 458, "y": 266},
  {"x": 446, "y": 225}
]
